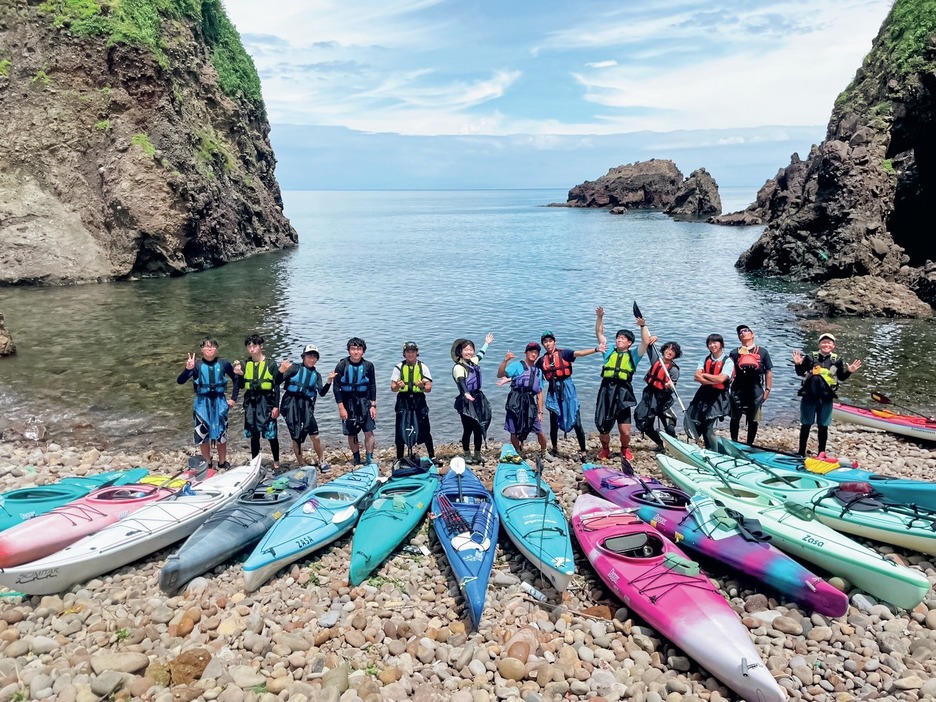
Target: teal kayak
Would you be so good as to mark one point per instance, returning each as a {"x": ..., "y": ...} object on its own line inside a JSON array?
[
  {"x": 399, "y": 505},
  {"x": 804, "y": 537},
  {"x": 25, "y": 503},
  {"x": 533, "y": 518}
]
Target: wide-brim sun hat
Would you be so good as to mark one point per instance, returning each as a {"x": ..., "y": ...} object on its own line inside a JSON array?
[{"x": 457, "y": 347}]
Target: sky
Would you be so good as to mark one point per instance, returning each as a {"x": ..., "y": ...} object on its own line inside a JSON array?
[{"x": 539, "y": 78}]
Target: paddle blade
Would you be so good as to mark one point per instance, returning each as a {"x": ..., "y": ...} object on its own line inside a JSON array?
[
  {"x": 690, "y": 427},
  {"x": 626, "y": 466},
  {"x": 637, "y": 310},
  {"x": 457, "y": 465},
  {"x": 881, "y": 398}
]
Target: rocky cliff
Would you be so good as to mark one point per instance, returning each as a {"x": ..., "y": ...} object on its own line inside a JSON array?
[
  {"x": 697, "y": 197},
  {"x": 860, "y": 203},
  {"x": 134, "y": 142}
]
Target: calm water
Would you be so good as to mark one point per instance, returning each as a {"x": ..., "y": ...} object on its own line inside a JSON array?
[{"x": 98, "y": 363}]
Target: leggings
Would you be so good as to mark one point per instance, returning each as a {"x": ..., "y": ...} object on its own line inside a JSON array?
[
  {"x": 734, "y": 427},
  {"x": 470, "y": 428},
  {"x": 554, "y": 430},
  {"x": 668, "y": 421},
  {"x": 804, "y": 437},
  {"x": 401, "y": 447},
  {"x": 255, "y": 448}
]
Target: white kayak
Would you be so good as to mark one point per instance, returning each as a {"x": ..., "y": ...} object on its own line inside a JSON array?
[{"x": 147, "y": 530}]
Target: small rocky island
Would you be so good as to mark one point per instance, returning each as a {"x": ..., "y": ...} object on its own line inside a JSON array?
[
  {"x": 134, "y": 143},
  {"x": 654, "y": 184}
]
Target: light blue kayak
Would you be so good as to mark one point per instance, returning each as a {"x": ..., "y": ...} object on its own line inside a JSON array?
[
  {"x": 466, "y": 523},
  {"x": 533, "y": 518},
  {"x": 17, "y": 506},
  {"x": 321, "y": 515},
  {"x": 398, "y": 506}
]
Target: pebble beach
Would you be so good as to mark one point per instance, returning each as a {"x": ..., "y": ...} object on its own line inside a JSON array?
[{"x": 403, "y": 634}]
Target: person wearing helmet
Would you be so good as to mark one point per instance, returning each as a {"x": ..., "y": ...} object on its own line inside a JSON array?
[
  {"x": 261, "y": 398},
  {"x": 821, "y": 371},
  {"x": 472, "y": 406},
  {"x": 211, "y": 406},
  {"x": 355, "y": 391},
  {"x": 411, "y": 380},
  {"x": 616, "y": 392},
  {"x": 561, "y": 399},
  {"x": 302, "y": 385}
]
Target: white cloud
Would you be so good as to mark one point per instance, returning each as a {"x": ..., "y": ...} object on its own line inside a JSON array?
[{"x": 417, "y": 67}]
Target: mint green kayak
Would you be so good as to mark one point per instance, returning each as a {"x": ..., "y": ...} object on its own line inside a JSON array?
[
  {"x": 805, "y": 537},
  {"x": 853, "y": 508},
  {"x": 398, "y": 506},
  {"x": 17, "y": 506},
  {"x": 533, "y": 518}
]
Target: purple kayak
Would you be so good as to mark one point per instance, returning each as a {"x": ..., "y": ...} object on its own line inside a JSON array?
[{"x": 702, "y": 526}]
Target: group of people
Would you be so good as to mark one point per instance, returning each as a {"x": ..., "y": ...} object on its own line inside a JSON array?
[{"x": 733, "y": 383}]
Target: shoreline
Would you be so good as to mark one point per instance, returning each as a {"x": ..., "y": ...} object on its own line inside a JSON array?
[{"x": 306, "y": 635}]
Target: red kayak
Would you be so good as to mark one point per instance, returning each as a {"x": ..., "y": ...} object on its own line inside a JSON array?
[{"x": 51, "y": 532}]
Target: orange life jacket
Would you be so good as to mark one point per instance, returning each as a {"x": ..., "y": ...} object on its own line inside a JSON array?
[
  {"x": 713, "y": 367},
  {"x": 656, "y": 376},
  {"x": 555, "y": 366},
  {"x": 748, "y": 359}
]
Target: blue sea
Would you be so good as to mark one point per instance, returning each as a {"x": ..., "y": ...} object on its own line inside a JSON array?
[{"x": 98, "y": 363}]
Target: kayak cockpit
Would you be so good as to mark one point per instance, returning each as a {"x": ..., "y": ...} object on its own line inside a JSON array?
[
  {"x": 524, "y": 492},
  {"x": 639, "y": 545}
]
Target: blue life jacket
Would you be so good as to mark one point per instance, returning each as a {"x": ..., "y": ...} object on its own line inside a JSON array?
[
  {"x": 354, "y": 379},
  {"x": 209, "y": 378},
  {"x": 304, "y": 382}
]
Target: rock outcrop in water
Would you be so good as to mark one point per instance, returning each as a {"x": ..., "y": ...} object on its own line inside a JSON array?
[
  {"x": 134, "y": 142},
  {"x": 697, "y": 197},
  {"x": 7, "y": 347},
  {"x": 861, "y": 202},
  {"x": 649, "y": 184}
]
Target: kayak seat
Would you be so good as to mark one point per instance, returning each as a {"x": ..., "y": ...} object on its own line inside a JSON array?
[
  {"x": 402, "y": 490},
  {"x": 640, "y": 545},
  {"x": 722, "y": 519},
  {"x": 857, "y": 502},
  {"x": 523, "y": 492}
]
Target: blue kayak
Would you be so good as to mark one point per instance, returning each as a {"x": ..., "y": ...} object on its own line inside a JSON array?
[
  {"x": 17, "y": 506},
  {"x": 920, "y": 493},
  {"x": 466, "y": 524}
]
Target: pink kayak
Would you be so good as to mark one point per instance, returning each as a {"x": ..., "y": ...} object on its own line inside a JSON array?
[
  {"x": 655, "y": 579},
  {"x": 51, "y": 532},
  {"x": 703, "y": 528},
  {"x": 903, "y": 424}
]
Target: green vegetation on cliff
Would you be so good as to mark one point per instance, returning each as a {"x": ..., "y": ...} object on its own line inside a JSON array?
[
  {"x": 901, "y": 52},
  {"x": 140, "y": 23}
]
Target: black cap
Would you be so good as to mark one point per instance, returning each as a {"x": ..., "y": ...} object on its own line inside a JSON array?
[
  {"x": 410, "y": 346},
  {"x": 742, "y": 327},
  {"x": 532, "y": 346}
]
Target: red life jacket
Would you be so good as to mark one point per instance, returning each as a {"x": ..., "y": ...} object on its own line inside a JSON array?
[
  {"x": 749, "y": 360},
  {"x": 555, "y": 366},
  {"x": 713, "y": 367},
  {"x": 656, "y": 376}
]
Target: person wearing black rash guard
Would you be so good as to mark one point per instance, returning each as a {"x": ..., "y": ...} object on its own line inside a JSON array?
[
  {"x": 355, "y": 391},
  {"x": 211, "y": 406},
  {"x": 261, "y": 398},
  {"x": 302, "y": 385},
  {"x": 472, "y": 406}
]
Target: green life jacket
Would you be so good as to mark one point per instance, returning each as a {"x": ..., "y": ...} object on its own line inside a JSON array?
[
  {"x": 619, "y": 366},
  {"x": 258, "y": 376},
  {"x": 412, "y": 377}
]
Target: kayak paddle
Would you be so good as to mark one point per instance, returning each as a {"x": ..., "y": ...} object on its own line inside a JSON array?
[
  {"x": 883, "y": 399},
  {"x": 689, "y": 426}
]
